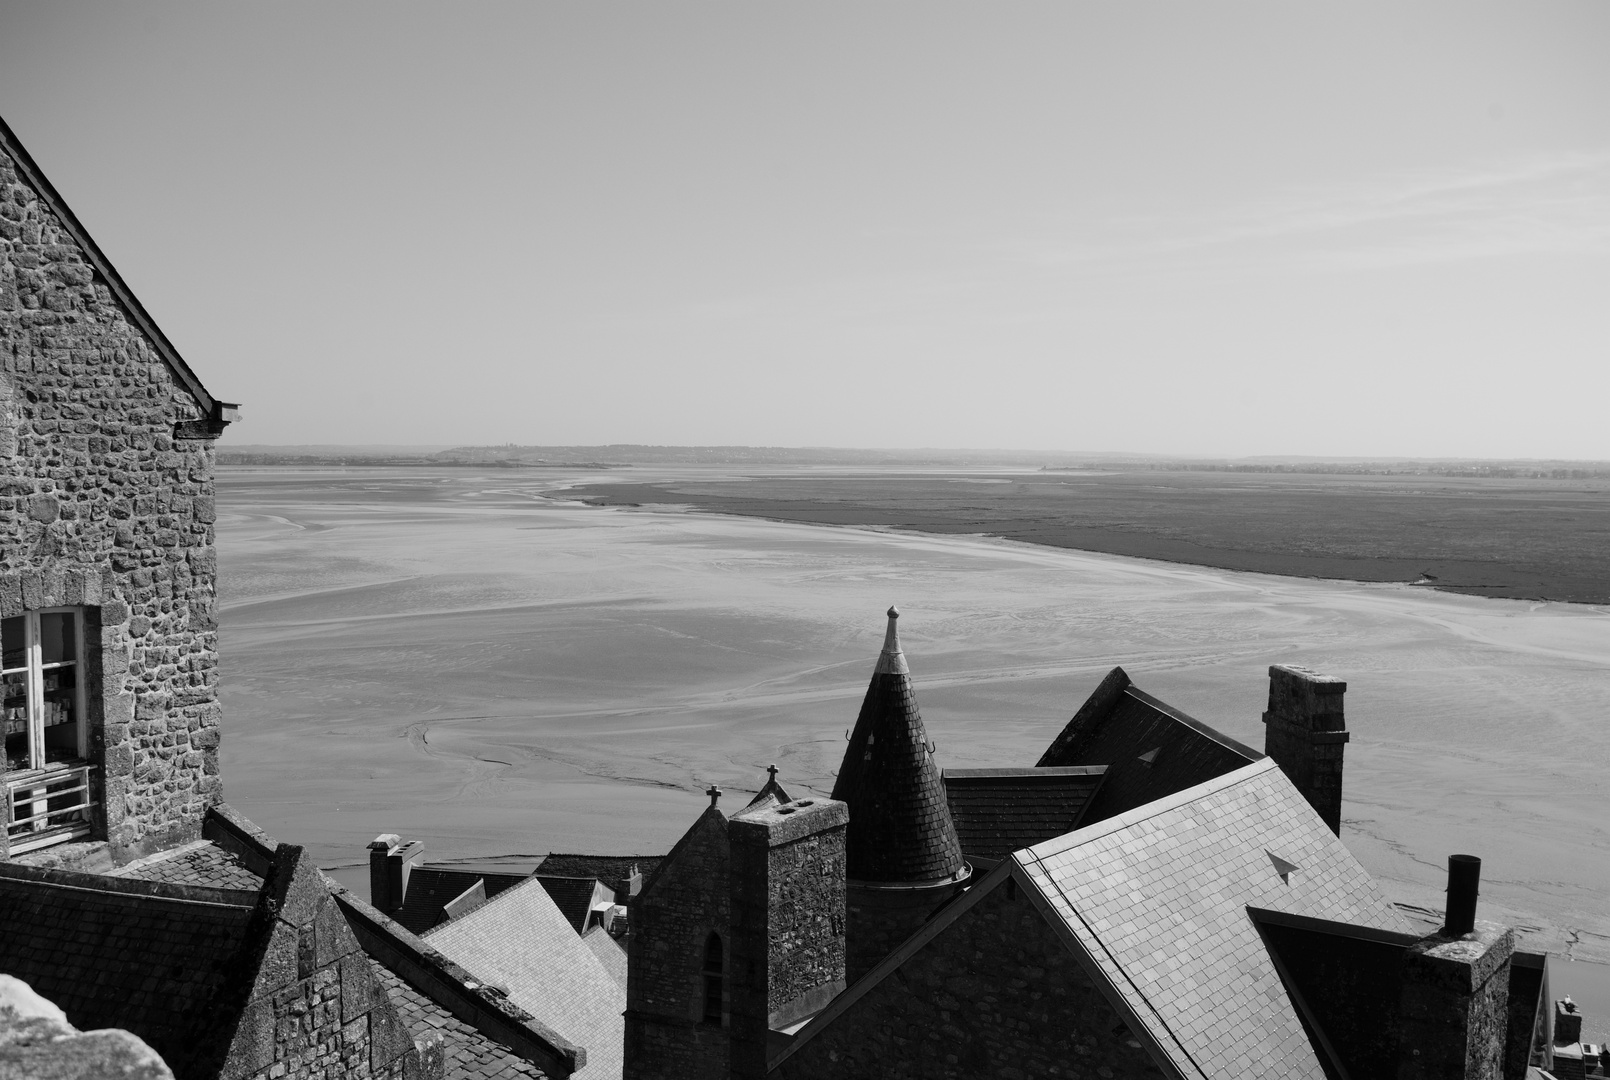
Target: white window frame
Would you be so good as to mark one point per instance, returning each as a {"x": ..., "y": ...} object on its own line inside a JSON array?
[{"x": 29, "y": 787}]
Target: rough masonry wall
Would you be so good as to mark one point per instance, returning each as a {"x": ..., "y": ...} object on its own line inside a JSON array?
[
  {"x": 101, "y": 506},
  {"x": 687, "y": 898},
  {"x": 995, "y": 994},
  {"x": 879, "y": 920}
]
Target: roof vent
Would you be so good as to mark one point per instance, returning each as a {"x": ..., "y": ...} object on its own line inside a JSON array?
[
  {"x": 1282, "y": 867},
  {"x": 1150, "y": 756}
]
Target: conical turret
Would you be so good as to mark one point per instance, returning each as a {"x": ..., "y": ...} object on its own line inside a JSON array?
[{"x": 900, "y": 829}]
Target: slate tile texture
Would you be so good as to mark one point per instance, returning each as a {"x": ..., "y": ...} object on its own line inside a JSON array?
[
  {"x": 1158, "y": 899},
  {"x": 151, "y": 958},
  {"x": 470, "y": 1055},
  {"x": 1150, "y": 749},
  {"x": 430, "y": 890},
  {"x": 999, "y": 811},
  {"x": 900, "y": 826},
  {"x": 521, "y": 941},
  {"x": 198, "y": 863}
]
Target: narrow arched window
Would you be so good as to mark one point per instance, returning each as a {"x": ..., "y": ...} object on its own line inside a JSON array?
[{"x": 713, "y": 963}]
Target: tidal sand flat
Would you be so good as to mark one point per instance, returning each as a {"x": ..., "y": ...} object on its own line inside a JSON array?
[
  {"x": 452, "y": 656},
  {"x": 1517, "y": 537}
]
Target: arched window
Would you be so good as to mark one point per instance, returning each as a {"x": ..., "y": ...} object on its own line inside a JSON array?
[{"x": 712, "y": 978}]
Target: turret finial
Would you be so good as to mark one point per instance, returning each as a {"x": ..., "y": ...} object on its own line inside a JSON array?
[{"x": 893, "y": 659}]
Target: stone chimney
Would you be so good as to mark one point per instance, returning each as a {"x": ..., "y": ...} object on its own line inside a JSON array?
[
  {"x": 1570, "y": 1063},
  {"x": 788, "y": 919},
  {"x": 390, "y": 863},
  {"x": 1305, "y": 733},
  {"x": 1453, "y": 1012}
]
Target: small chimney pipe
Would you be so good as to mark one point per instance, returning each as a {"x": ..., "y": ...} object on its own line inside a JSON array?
[{"x": 1464, "y": 881}]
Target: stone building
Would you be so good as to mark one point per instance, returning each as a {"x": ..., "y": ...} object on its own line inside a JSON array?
[
  {"x": 1153, "y": 899},
  {"x": 107, "y": 561},
  {"x": 131, "y": 895}
]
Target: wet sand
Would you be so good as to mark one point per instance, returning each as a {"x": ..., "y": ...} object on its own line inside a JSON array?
[{"x": 449, "y": 655}]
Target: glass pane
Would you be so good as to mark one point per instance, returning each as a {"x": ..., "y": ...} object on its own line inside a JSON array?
[
  {"x": 56, "y": 639},
  {"x": 11, "y": 642},
  {"x": 14, "y": 708}
]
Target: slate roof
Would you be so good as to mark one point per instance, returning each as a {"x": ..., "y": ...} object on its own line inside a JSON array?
[
  {"x": 1150, "y": 749},
  {"x": 613, "y": 870},
  {"x": 609, "y": 953},
  {"x": 150, "y": 957},
  {"x": 572, "y": 896},
  {"x": 1157, "y": 901},
  {"x": 520, "y": 940},
  {"x": 198, "y": 863},
  {"x": 900, "y": 828},
  {"x": 430, "y": 890},
  {"x": 998, "y": 811},
  {"x": 469, "y": 1054}
]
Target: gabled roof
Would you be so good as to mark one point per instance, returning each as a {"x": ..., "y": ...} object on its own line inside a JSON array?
[
  {"x": 520, "y": 940},
  {"x": 1150, "y": 749},
  {"x": 1154, "y": 905},
  {"x": 612, "y": 870},
  {"x": 430, "y": 891},
  {"x": 30, "y": 173},
  {"x": 609, "y": 953},
  {"x": 1158, "y": 899},
  {"x": 155, "y": 958},
  {"x": 572, "y": 896},
  {"x": 999, "y": 811},
  {"x": 900, "y": 829}
]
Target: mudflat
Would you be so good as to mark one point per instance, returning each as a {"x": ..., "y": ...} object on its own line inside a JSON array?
[
  {"x": 1530, "y": 539},
  {"x": 481, "y": 661}
]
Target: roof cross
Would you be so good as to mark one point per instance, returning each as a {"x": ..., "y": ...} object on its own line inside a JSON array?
[
  {"x": 714, "y": 793},
  {"x": 771, "y": 770}
]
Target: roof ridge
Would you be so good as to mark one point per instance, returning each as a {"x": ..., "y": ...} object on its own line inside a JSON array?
[
  {"x": 1193, "y": 723},
  {"x": 1079, "y": 837}
]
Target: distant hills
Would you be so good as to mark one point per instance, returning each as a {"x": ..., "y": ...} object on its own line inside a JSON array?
[{"x": 622, "y": 454}]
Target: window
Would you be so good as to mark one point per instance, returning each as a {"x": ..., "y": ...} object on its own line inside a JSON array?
[
  {"x": 46, "y": 733},
  {"x": 712, "y": 979}
]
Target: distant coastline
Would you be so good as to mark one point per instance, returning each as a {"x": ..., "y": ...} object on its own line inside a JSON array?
[{"x": 1506, "y": 538}]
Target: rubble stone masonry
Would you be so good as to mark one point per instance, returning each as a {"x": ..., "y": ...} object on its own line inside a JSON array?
[{"x": 101, "y": 506}]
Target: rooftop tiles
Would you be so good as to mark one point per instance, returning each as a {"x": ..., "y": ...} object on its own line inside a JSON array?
[
  {"x": 1158, "y": 897},
  {"x": 520, "y": 940},
  {"x": 999, "y": 811},
  {"x": 197, "y": 863},
  {"x": 470, "y": 1055}
]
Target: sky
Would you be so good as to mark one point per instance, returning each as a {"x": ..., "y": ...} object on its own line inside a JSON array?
[{"x": 1374, "y": 229}]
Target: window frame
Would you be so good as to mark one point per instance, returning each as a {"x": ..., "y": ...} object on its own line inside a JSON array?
[{"x": 34, "y": 668}]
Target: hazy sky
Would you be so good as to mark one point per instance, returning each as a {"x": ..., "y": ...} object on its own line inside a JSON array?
[{"x": 1182, "y": 228}]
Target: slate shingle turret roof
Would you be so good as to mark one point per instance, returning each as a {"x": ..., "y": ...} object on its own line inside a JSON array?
[
  {"x": 1150, "y": 749},
  {"x": 900, "y": 828}
]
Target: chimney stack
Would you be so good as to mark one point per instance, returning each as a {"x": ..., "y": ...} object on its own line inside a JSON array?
[
  {"x": 1464, "y": 881},
  {"x": 1453, "y": 1015},
  {"x": 1305, "y": 733},
  {"x": 390, "y": 862}
]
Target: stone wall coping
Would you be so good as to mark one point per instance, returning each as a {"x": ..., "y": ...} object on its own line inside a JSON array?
[{"x": 775, "y": 824}]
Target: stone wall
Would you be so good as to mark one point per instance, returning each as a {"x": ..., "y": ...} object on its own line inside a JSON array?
[
  {"x": 671, "y": 919},
  {"x": 995, "y": 994},
  {"x": 101, "y": 506},
  {"x": 879, "y": 919},
  {"x": 316, "y": 1008},
  {"x": 1306, "y": 734},
  {"x": 787, "y": 928}
]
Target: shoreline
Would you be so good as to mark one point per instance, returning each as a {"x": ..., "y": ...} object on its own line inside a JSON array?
[{"x": 1459, "y": 577}]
